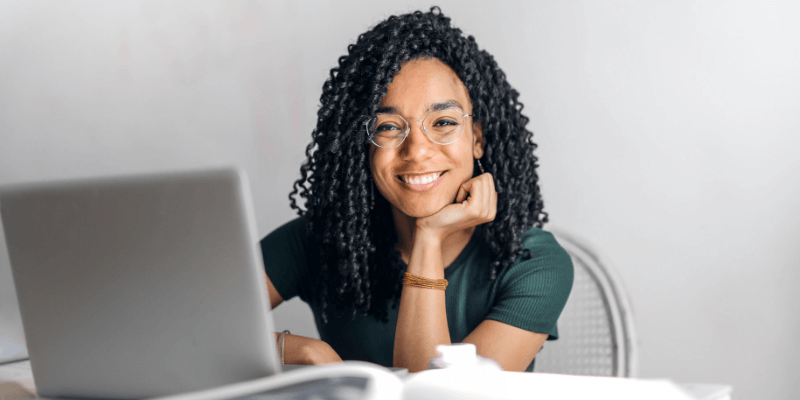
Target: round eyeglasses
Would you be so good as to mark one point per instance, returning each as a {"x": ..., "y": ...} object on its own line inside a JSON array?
[{"x": 442, "y": 127}]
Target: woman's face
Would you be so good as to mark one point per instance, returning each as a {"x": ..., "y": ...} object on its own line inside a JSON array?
[{"x": 421, "y": 85}]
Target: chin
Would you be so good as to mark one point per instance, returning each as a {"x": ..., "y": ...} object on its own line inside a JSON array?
[{"x": 422, "y": 211}]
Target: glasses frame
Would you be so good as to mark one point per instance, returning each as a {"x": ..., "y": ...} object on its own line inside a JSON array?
[{"x": 424, "y": 130}]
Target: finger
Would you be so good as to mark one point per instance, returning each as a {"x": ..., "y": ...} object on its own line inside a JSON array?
[
  {"x": 464, "y": 191},
  {"x": 492, "y": 196},
  {"x": 493, "y": 206},
  {"x": 462, "y": 195},
  {"x": 490, "y": 179},
  {"x": 487, "y": 195},
  {"x": 477, "y": 197}
]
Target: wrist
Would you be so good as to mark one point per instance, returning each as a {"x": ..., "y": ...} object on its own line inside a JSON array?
[
  {"x": 428, "y": 238},
  {"x": 319, "y": 352},
  {"x": 426, "y": 256}
]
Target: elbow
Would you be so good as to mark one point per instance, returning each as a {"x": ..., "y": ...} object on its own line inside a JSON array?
[{"x": 411, "y": 365}]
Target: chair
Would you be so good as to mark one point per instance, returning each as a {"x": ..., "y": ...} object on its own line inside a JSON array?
[{"x": 596, "y": 332}]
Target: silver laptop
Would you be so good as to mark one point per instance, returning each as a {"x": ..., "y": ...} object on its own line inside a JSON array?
[{"x": 140, "y": 286}]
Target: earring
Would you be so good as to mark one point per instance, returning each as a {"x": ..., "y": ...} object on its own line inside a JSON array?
[
  {"x": 480, "y": 166},
  {"x": 371, "y": 194}
]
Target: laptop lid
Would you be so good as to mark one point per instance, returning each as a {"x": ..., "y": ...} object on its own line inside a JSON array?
[
  {"x": 139, "y": 286},
  {"x": 12, "y": 339}
]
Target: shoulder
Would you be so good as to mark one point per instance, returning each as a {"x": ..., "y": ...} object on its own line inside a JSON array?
[
  {"x": 287, "y": 259},
  {"x": 297, "y": 225},
  {"x": 533, "y": 290},
  {"x": 543, "y": 245},
  {"x": 548, "y": 263},
  {"x": 288, "y": 243},
  {"x": 294, "y": 231}
]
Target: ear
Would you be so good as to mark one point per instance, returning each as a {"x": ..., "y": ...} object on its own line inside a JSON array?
[{"x": 477, "y": 140}]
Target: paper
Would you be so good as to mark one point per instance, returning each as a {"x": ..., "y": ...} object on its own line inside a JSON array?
[{"x": 451, "y": 384}]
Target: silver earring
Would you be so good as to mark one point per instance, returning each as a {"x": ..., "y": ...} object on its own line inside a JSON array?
[
  {"x": 480, "y": 166},
  {"x": 371, "y": 194}
]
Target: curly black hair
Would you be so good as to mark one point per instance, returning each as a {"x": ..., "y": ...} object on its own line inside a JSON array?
[{"x": 360, "y": 270}]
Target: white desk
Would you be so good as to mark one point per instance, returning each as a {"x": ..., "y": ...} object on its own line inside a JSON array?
[{"x": 16, "y": 381}]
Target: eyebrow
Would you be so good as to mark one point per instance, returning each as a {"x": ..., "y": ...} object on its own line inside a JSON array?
[
  {"x": 445, "y": 105},
  {"x": 433, "y": 107}
]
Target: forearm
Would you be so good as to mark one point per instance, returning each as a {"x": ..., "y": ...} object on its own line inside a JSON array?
[
  {"x": 422, "y": 317},
  {"x": 300, "y": 350}
]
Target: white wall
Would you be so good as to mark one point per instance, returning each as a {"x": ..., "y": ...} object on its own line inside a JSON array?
[{"x": 666, "y": 132}]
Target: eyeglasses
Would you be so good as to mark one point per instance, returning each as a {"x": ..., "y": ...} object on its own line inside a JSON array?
[{"x": 442, "y": 127}]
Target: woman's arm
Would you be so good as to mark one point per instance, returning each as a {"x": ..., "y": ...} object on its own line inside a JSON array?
[
  {"x": 422, "y": 317},
  {"x": 274, "y": 297},
  {"x": 300, "y": 350},
  {"x": 420, "y": 329},
  {"x": 513, "y": 348}
]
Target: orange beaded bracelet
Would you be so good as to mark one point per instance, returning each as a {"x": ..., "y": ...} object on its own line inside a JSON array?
[{"x": 420, "y": 282}]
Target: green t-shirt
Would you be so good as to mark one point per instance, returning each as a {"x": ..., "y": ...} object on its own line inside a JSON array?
[{"x": 530, "y": 294}]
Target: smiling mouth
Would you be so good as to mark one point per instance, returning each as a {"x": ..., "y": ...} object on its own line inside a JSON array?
[
  {"x": 420, "y": 179},
  {"x": 422, "y": 182}
]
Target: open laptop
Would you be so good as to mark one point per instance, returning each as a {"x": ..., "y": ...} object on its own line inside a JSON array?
[{"x": 149, "y": 286}]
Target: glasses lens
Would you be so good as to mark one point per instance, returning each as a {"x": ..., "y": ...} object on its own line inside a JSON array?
[
  {"x": 444, "y": 127},
  {"x": 387, "y": 130}
]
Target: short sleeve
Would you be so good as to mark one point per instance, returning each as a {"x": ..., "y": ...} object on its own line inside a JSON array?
[
  {"x": 532, "y": 293},
  {"x": 286, "y": 260}
]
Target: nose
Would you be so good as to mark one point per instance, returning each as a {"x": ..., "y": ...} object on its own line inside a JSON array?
[{"x": 417, "y": 147}]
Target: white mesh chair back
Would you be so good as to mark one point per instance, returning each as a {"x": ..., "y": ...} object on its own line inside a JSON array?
[{"x": 595, "y": 331}]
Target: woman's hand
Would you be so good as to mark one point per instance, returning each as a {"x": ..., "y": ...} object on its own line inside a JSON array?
[
  {"x": 300, "y": 350},
  {"x": 476, "y": 203}
]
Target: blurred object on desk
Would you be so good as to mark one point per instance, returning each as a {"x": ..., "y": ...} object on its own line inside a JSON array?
[
  {"x": 702, "y": 391},
  {"x": 452, "y": 384}
]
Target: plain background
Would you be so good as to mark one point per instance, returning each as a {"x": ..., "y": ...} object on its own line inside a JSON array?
[{"x": 667, "y": 134}]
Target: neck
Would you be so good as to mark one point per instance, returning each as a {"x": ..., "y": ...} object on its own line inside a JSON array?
[{"x": 406, "y": 227}]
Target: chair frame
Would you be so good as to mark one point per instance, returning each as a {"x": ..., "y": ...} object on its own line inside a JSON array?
[{"x": 616, "y": 301}]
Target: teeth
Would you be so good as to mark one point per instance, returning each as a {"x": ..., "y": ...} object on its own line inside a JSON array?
[{"x": 421, "y": 180}]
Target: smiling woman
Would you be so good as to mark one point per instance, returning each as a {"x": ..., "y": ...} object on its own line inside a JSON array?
[{"x": 422, "y": 220}]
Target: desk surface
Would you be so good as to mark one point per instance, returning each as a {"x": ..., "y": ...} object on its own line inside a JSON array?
[{"x": 16, "y": 380}]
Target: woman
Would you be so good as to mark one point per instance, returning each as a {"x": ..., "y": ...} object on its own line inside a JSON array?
[{"x": 420, "y": 177}]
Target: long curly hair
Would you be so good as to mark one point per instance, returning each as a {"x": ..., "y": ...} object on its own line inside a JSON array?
[{"x": 360, "y": 270}]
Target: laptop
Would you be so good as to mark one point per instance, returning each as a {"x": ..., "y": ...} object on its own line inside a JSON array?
[{"x": 148, "y": 286}]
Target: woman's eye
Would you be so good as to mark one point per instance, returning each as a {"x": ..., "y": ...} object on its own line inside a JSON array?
[
  {"x": 388, "y": 131},
  {"x": 387, "y": 128},
  {"x": 445, "y": 122}
]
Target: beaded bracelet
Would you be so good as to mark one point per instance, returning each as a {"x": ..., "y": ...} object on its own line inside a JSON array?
[{"x": 420, "y": 282}]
